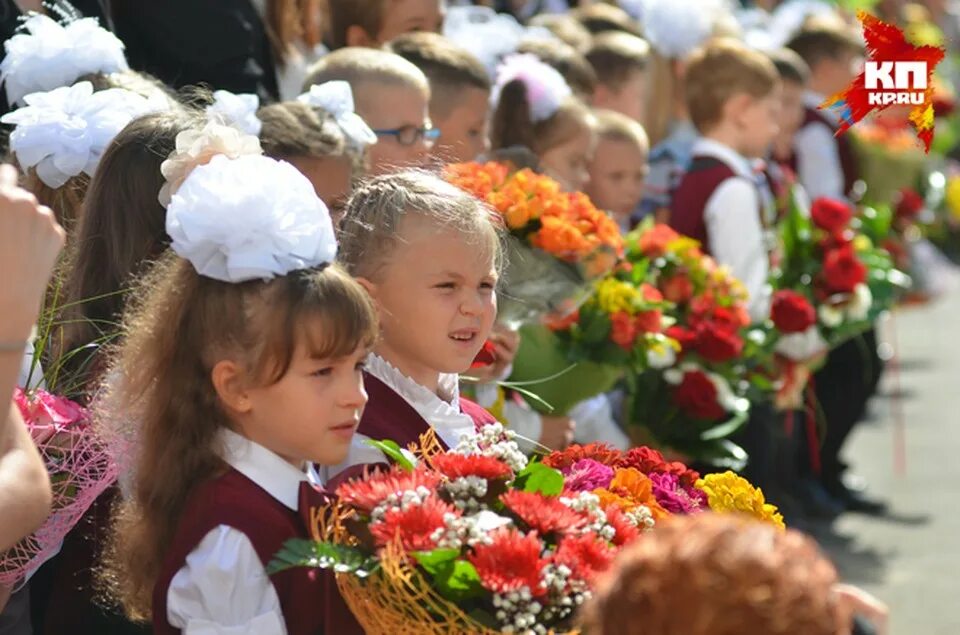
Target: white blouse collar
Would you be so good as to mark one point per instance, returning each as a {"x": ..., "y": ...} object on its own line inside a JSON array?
[
  {"x": 273, "y": 474},
  {"x": 443, "y": 414}
]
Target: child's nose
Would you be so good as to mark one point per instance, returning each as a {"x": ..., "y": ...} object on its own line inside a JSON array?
[{"x": 354, "y": 395}]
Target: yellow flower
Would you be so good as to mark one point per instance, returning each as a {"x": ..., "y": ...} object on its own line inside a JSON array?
[
  {"x": 953, "y": 197},
  {"x": 614, "y": 295},
  {"x": 862, "y": 243},
  {"x": 729, "y": 493}
]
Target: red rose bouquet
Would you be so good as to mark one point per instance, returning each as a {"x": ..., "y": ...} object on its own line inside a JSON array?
[
  {"x": 832, "y": 268},
  {"x": 478, "y": 540},
  {"x": 80, "y": 470},
  {"x": 559, "y": 241}
]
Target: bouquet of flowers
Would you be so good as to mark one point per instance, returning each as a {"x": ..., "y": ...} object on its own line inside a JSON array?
[
  {"x": 478, "y": 540},
  {"x": 80, "y": 470},
  {"x": 619, "y": 328},
  {"x": 889, "y": 156},
  {"x": 697, "y": 397},
  {"x": 836, "y": 270},
  {"x": 558, "y": 241}
]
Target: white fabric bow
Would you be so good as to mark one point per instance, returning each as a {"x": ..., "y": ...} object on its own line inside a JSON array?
[
  {"x": 336, "y": 98},
  {"x": 237, "y": 110},
  {"x": 249, "y": 218},
  {"x": 677, "y": 28},
  {"x": 546, "y": 87},
  {"x": 64, "y": 132},
  {"x": 48, "y": 55}
]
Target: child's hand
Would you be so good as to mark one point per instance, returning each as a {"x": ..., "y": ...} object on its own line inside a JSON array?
[
  {"x": 30, "y": 240},
  {"x": 853, "y": 601},
  {"x": 505, "y": 343},
  {"x": 557, "y": 432}
]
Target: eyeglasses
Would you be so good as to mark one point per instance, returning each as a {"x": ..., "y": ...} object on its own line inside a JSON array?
[{"x": 409, "y": 135}]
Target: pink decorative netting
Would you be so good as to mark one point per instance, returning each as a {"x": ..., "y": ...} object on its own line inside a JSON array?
[{"x": 80, "y": 470}]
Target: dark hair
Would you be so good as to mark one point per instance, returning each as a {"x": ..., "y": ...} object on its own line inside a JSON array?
[
  {"x": 815, "y": 44},
  {"x": 288, "y": 21},
  {"x": 602, "y": 17},
  {"x": 367, "y": 14},
  {"x": 121, "y": 229},
  {"x": 566, "y": 60},
  {"x": 615, "y": 56},
  {"x": 512, "y": 125},
  {"x": 790, "y": 66}
]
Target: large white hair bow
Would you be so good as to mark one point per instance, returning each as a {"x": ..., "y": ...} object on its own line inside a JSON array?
[
  {"x": 64, "y": 132},
  {"x": 48, "y": 55},
  {"x": 488, "y": 35},
  {"x": 249, "y": 218},
  {"x": 336, "y": 98},
  {"x": 546, "y": 88},
  {"x": 676, "y": 28},
  {"x": 237, "y": 110}
]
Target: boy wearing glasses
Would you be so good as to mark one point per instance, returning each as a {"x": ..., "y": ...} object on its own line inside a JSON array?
[{"x": 392, "y": 96}]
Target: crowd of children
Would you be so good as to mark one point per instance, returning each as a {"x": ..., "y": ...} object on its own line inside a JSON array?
[{"x": 263, "y": 273}]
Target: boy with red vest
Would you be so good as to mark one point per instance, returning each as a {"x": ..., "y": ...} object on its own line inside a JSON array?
[
  {"x": 826, "y": 164},
  {"x": 733, "y": 95}
]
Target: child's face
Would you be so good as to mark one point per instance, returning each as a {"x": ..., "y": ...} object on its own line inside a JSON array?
[
  {"x": 405, "y": 16},
  {"x": 759, "y": 124},
  {"x": 463, "y": 132},
  {"x": 617, "y": 172},
  {"x": 629, "y": 100},
  {"x": 567, "y": 162},
  {"x": 394, "y": 107},
  {"x": 331, "y": 178},
  {"x": 311, "y": 413},
  {"x": 437, "y": 301}
]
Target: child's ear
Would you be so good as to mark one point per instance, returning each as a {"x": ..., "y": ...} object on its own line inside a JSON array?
[
  {"x": 228, "y": 380},
  {"x": 738, "y": 107},
  {"x": 357, "y": 36}
]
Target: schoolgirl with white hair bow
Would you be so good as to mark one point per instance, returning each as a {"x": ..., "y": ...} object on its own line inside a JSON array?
[{"x": 244, "y": 358}]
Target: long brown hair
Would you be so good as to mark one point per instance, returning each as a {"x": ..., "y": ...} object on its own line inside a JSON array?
[
  {"x": 179, "y": 325},
  {"x": 290, "y": 20},
  {"x": 121, "y": 228}
]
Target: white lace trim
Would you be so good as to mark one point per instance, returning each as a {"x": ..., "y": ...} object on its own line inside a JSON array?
[{"x": 443, "y": 414}]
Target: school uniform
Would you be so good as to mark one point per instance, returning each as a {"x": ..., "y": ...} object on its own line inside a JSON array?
[
  {"x": 213, "y": 577},
  {"x": 827, "y": 166}
]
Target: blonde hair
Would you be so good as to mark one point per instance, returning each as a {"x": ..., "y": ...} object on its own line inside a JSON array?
[
  {"x": 512, "y": 125},
  {"x": 448, "y": 67},
  {"x": 371, "y": 227},
  {"x": 566, "y": 60},
  {"x": 616, "y": 126},
  {"x": 564, "y": 27},
  {"x": 666, "y": 88},
  {"x": 362, "y": 67},
  {"x": 179, "y": 326},
  {"x": 615, "y": 56},
  {"x": 712, "y": 574},
  {"x": 721, "y": 70},
  {"x": 291, "y": 129}
]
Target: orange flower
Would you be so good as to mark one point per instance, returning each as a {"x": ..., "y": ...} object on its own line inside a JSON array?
[
  {"x": 630, "y": 488},
  {"x": 623, "y": 330},
  {"x": 653, "y": 243},
  {"x": 649, "y": 321}
]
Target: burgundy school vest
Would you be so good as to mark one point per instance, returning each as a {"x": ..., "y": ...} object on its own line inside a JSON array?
[
  {"x": 689, "y": 202},
  {"x": 234, "y": 500},
  {"x": 386, "y": 416},
  {"x": 848, "y": 160}
]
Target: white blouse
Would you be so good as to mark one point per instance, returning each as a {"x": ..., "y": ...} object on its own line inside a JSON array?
[
  {"x": 223, "y": 588},
  {"x": 441, "y": 411}
]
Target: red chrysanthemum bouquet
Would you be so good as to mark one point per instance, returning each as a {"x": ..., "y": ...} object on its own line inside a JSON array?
[
  {"x": 694, "y": 396},
  {"x": 478, "y": 540},
  {"x": 80, "y": 470},
  {"x": 559, "y": 241},
  {"x": 836, "y": 269}
]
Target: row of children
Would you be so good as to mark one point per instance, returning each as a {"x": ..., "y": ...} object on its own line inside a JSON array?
[{"x": 217, "y": 366}]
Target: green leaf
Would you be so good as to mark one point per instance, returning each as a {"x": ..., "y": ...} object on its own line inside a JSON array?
[
  {"x": 393, "y": 452},
  {"x": 455, "y": 579},
  {"x": 537, "y": 477},
  {"x": 323, "y": 555},
  {"x": 725, "y": 429}
]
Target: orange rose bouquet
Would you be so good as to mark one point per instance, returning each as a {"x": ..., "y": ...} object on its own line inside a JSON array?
[{"x": 558, "y": 241}]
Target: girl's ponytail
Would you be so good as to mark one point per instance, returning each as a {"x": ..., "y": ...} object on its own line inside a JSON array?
[{"x": 512, "y": 124}]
